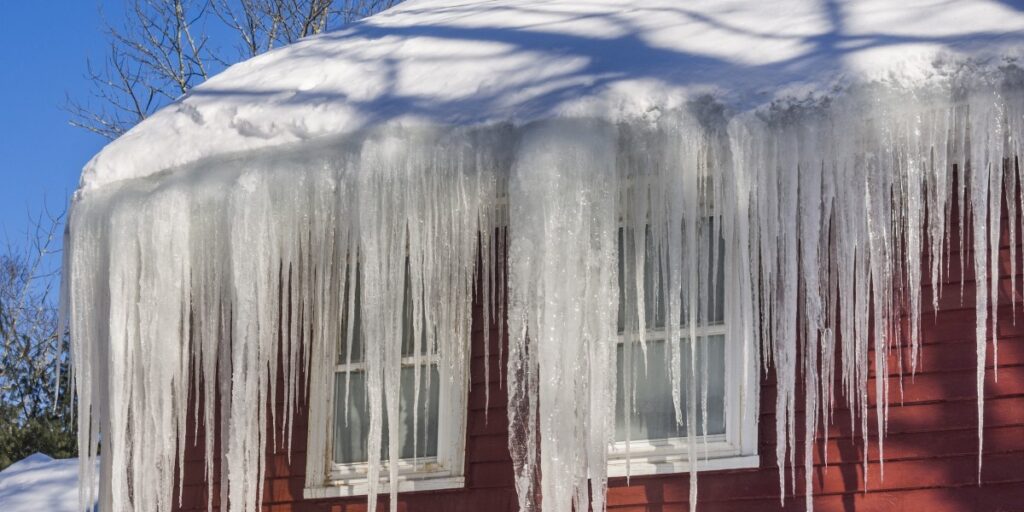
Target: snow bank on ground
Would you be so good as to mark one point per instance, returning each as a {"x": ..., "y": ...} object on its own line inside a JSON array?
[
  {"x": 463, "y": 62},
  {"x": 39, "y": 483}
]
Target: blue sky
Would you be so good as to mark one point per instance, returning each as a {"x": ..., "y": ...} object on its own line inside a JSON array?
[{"x": 43, "y": 51}]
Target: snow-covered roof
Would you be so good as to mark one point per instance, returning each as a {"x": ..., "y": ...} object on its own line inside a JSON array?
[
  {"x": 461, "y": 62},
  {"x": 39, "y": 483}
]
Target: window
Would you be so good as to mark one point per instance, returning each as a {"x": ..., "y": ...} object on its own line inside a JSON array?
[
  {"x": 650, "y": 440},
  {"x": 431, "y": 454}
]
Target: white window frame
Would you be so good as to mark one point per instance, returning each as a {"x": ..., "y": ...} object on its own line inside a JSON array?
[
  {"x": 327, "y": 479},
  {"x": 736, "y": 448}
]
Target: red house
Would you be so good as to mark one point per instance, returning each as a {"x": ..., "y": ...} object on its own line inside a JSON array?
[
  {"x": 930, "y": 445},
  {"x": 598, "y": 254}
]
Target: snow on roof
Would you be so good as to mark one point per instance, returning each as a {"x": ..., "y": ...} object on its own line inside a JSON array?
[
  {"x": 464, "y": 62},
  {"x": 39, "y": 483}
]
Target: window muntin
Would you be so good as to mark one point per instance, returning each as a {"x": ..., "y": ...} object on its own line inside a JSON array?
[
  {"x": 430, "y": 460},
  {"x": 656, "y": 442}
]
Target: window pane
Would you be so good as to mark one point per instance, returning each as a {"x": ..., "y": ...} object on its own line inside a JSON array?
[
  {"x": 357, "y": 344},
  {"x": 408, "y": 348},
  {"x": 654, "y": 290},
  {"x": 357, "y": 331},
  {"x": 350, "y": 432},
  {"x": 426, "y": 431},
  {"x": 654, "y": 415},
  {"x": 350, "y": 439}
]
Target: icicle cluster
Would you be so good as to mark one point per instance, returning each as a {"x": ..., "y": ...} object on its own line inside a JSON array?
[
  {"x": 561, "y": 314},
  {"x": 216, "y": 278},
  {"x": 825, "y": 212}
]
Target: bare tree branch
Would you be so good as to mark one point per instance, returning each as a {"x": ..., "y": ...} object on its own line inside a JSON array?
[
  {"x": 32, "y": 352},
  {"x": 30, "y": 348},
  {"x": 163, "y": 49},
  {"x": 158, "y": 55}
]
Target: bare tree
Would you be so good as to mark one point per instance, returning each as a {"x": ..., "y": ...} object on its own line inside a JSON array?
[
  {"x": 166, "y": 47},
  {"x": 31, "y": 348},
  {"x": 158, "y": 55},
  {"x": 264, "y": 24},
  {"x": 29, "y": 339}
]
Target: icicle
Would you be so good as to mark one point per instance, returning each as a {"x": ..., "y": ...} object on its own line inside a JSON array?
[{"x": 562, "y": 332}]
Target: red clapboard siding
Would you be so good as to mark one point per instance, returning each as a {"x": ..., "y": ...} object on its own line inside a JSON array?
[{"x": 929, "y": 452}]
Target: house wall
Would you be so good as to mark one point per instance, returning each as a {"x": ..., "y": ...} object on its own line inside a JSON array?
[{"x": 930, "y": 449}]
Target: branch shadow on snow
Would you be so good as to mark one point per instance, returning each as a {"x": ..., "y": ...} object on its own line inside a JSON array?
[{"x": 594, "y": 63}]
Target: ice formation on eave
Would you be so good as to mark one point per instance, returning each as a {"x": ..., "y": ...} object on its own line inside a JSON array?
[
  {"x": 221, "y": 280},
  {"x": 221, "y": 276},
  {"x": 214, "y": 263}
]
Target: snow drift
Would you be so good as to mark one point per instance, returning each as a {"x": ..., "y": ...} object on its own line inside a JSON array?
[
  {"x": 213, "y": 246},
  {"x": 39, "y": 482}
]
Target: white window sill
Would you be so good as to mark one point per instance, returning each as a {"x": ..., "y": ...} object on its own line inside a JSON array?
[
  {"x": 360, "y": 487},
  {"x": 664, "y": 465},
  {"x": 669, "y": 456}
]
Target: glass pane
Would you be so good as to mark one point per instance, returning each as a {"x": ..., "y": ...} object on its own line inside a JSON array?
[
  {"x": 654, "y": 416},
  {"x": 350, "y": 432},
  {"x": 350, "y": 438},
  {"x": 408, "y": 348},
  {"x": 654, "y": 290},
  {"x": 427, "y": 415},
  {"x": 408, "y": 343},
  {"x": 357, "y": 331}
]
